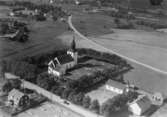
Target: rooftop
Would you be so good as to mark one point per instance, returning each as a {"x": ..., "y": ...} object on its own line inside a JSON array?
[
  {"x": 65, "y": 59},
  {"x": 116, "y": 84}
]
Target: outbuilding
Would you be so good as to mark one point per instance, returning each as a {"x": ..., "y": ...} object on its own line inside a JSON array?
[
  {"x": 140, "y": 105},
  {"x": 115, "y": 87},
  {"x": 17, "y": 98}
]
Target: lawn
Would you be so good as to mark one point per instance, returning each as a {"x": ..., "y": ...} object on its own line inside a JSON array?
[{"x": 87, "y": 66}]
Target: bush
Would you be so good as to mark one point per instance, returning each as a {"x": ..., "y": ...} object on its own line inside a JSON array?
[
  {"x": 4, "y": 28},
  {"x": 40, "y": 17},
  {"x": 86, "y": 101},
  {"x": 44, "y": 81},
  {"x": 7, "y": 87},
  {"x": 95, "y": 106}
]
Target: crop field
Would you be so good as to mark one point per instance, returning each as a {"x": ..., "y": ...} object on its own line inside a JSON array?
[{"x": 147, "y": 47}]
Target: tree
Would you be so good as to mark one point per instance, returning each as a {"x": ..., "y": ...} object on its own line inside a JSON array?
[
  {"x": 156, "y": 2},
  {"x": 107, "y": 107},
  {"x": 95, "y": 106},
  {"x": 7, "y": 87},
  {"x": 4, "y": 28},
  {"x": 86, "y": 101},
  {"x": 71, "y": 96},
  {"x": 66, "y": 93},
  {"x": 58, "y": 91},
  {"x": 44, "y": 81},
  {"x": 78, "y": 98}
]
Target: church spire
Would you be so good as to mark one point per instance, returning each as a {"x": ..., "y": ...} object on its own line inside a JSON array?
[{"x": 73, "y": 44}]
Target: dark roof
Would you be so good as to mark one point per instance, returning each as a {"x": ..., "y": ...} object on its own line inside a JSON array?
[
  {"x": 116, "y": 84},
  {"x": 65, "y": 59},
  {"x": 55, "y": 62}
]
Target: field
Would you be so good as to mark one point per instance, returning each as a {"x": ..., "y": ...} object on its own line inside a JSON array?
[
  {"x": 147, "y": 47},
  {"x": 43, "y": 38}
]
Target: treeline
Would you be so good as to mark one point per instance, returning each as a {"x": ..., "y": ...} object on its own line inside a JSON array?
[
  {"x": 107, "y": 57},
  {"x": 154, "y": 25},
  {"x": 20, "y": 68}
]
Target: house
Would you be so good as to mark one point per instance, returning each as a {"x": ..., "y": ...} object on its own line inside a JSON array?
[
  {"x": 17, "y": 98},
  {"x": 140, "y": 105},
  {"x": 116, "y": 87},
  {"x": 61, "y": 64}
]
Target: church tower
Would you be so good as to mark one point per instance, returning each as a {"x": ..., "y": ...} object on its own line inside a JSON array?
[{"x": 73, "y": 51}]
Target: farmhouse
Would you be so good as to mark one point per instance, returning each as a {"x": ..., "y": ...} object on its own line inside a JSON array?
[
  {"x": 17, "y": 98},
  {"x": 140, "y": 105},
  {"x": 61, "y": 64},
  {"x": 116, "y": 87}
]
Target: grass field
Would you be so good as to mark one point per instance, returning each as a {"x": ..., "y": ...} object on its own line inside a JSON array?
[{"x": 43, "y": 38}]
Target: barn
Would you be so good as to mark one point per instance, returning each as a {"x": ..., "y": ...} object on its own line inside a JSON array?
[{"x": 140, "y": 105}]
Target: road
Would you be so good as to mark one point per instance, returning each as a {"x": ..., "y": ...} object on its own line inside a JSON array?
[
  {"x": 109, "y": 50},
  {"x": 57, "y": 99}
]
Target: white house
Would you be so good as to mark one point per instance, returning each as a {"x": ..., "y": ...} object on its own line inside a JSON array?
[
  {"x": 140, "y": 105},
  {"x": 17, "y": 98},
  {"x": 115, "y": 87},
  {"x": 61, "y": 64}
]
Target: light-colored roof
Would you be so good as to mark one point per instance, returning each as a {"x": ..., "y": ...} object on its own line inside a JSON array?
[
  {"x": 11, "y": 76},
  {"x": 16, "y": 93},
  {"x": 116, "y": 84},
  {"x": 143, "y": 102}
]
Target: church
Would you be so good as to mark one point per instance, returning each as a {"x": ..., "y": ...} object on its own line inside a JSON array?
[{"x": 60, "y": 64}]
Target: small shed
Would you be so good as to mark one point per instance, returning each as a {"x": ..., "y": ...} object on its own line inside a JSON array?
[
  {"x": 17, "y": 98},
  {"x": 140, "y": 105}
]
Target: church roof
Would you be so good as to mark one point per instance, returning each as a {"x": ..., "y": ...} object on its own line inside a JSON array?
[{"x": 65, "y": 59}]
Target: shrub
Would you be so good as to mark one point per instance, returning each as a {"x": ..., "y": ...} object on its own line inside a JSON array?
[
  {"x": 86, "y": 101},
  {"x": 95, "y": 106}
]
